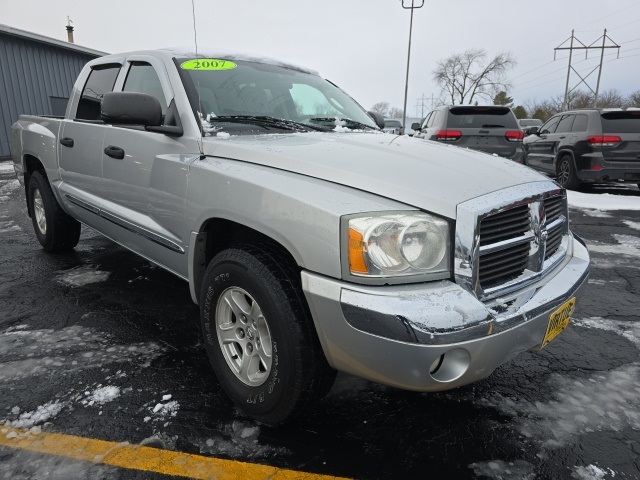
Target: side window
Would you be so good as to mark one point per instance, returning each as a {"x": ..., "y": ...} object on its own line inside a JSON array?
[
  {"x": 550, "y": 126},
  {"x": 564, "y": 125},
  {"x": 142, "y": 78},
  {"x": 100, "y": 81},
  {"x": 580, "y": 123}
]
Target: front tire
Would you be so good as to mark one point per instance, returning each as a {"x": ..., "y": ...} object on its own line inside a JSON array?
[
  {"x": 566, "y": 173},
  {"x": 259, "y": 334},
  {"x": 56, "y": 231}
]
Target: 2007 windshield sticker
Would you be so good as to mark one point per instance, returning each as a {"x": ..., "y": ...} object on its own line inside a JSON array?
[{"x": 207, "y": 64}]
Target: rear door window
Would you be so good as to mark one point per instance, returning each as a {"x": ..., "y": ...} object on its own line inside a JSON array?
[
  {"x": 481, "y": 117},
  {"x": 580, "y": 123},
  {"x": 621, "y": 122},
  {"x": 100, "y": 81},
  {"x": 565, "y": 123}
]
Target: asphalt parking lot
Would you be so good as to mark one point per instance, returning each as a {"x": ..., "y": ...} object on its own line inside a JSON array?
[{"x": 102, "y": 346}]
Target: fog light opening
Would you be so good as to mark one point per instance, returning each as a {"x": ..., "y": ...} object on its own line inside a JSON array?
[
  {"x": 437, "y": 363},
  {"x": 450, "y": 366}
]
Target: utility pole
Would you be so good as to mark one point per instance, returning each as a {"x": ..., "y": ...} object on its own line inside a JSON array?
[
  {"x": 586, "y": 48},
  {"x": 406, "y": 83}
]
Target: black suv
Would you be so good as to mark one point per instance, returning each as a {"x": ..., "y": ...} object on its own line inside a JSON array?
[
  {"x": 590, "y": 145},
  {"x": 490, "y": 129}
]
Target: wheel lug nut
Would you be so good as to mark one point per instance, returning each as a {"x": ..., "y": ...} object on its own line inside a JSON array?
[{"x": 249, "y": 348}]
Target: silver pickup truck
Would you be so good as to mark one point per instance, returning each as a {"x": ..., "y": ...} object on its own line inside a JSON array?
[{"x": 311, "y": 241}]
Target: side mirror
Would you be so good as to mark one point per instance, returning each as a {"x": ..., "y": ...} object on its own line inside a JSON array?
[
  {"x": 379, "y": 119},
  {"x": 416, "y": 126},
  {"x": 131, "y": 108},
  {"x": 532, "y": 131}
]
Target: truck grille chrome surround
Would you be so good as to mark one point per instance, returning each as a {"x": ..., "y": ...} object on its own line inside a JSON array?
[{"x": 509, "y": 239}]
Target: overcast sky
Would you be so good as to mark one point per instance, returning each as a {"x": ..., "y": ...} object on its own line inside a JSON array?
[{"x": 361, "y": 45}]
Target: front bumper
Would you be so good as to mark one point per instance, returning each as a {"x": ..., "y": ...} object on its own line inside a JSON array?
[{"x": 394, "y": 335}]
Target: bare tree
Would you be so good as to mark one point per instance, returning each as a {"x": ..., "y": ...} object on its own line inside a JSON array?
[
  {"x": 580, "y": 99},
  {"x": 465, "y": 76},
  {"x": 381, "y": 107},
  {"x": 395, "y": 112},
  {"x": 611, "y": 98},
  {"x": 633, "y": 100}
]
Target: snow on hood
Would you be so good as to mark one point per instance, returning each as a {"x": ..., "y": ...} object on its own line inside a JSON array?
[{"x": 420, "y": 173}]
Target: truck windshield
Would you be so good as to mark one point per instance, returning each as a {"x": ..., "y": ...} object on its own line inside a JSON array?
[{"x": 235, "y": 89}]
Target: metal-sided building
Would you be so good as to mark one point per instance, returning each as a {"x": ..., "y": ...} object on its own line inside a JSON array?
[{"x": 37, "y": 74}]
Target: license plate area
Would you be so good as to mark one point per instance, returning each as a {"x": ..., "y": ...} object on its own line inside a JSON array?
[{"x": 558, "y": 320}]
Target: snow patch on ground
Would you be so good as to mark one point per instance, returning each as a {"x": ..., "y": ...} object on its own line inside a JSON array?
[
  {"x": 162, "y": 412},
  {"x": 607, "y": 401},
  {"x": 9, "y": 226},
  {"x": 628, "y": 245},
  {"x": 64, "y": 351},
  {"x": 40, "y": 415},
  {"x": 498, "y": 469},
  {"x": 634, "y": 225},
  {"x": 7, "y": 187},
  {"x": 239, "y": 439},
  {"x": 103, "y": 395},
  {"x": 596, "y": 213},
  {"x": 6, "y": 167},
  {"x": 80, "y": 276},
  {"x": 600, "y": 202},
  {"x": 591, "y": 472},
  {"x": 628, "y": 330},
  {"x": 604, "y": 263}
]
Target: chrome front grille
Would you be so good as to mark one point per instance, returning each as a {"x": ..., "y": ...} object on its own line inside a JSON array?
[
  {"x": 510, "y": 238},
  {"x": 505, "y": 225}
]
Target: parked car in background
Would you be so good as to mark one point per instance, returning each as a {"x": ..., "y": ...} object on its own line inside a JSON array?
[
  {"x": 491, "y": 129},
  {"x": 527, "y": 123},
  {"x": 393, "y": 125},
  {"x": 588, "y": 145}
]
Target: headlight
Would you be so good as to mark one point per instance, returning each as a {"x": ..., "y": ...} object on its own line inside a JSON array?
[{"x": 396, "y": 244}]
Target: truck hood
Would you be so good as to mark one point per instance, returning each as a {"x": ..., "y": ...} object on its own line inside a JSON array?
[{"x": 420, "y": 173}]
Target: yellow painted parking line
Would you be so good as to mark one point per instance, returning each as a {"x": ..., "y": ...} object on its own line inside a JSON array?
[{"x": 147, "y": 459}]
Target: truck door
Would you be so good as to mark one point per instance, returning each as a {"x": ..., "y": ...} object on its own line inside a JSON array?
[
  {"x": 145, "y": 175},
  {"x": 80, "y": 147}
]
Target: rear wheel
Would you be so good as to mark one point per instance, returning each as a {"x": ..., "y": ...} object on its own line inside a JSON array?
[
  {"x": 56, "y": 231},
  {"x": 259, "y": 334},
  {"x": 566, "y": 173}
]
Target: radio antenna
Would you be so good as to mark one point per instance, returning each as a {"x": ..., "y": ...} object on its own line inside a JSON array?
[{"x": 195, "y": 41}]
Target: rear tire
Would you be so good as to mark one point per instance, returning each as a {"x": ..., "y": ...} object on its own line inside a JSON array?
[
  {"x": 566, "y": 173},
  {"x": 56, "y": 231},
  {"x": 259, "y": 334}
]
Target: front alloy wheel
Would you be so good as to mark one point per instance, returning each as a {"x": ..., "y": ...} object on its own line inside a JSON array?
[
  {"x": 244, "y": 336},
  {"x": 38, "y": 210}
]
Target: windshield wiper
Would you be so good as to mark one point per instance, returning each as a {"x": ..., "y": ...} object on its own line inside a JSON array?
[
  {"x": 266, "y": 122},
  {"x": 489, "y": 125},
  {"x": 349, "y": 123}
]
